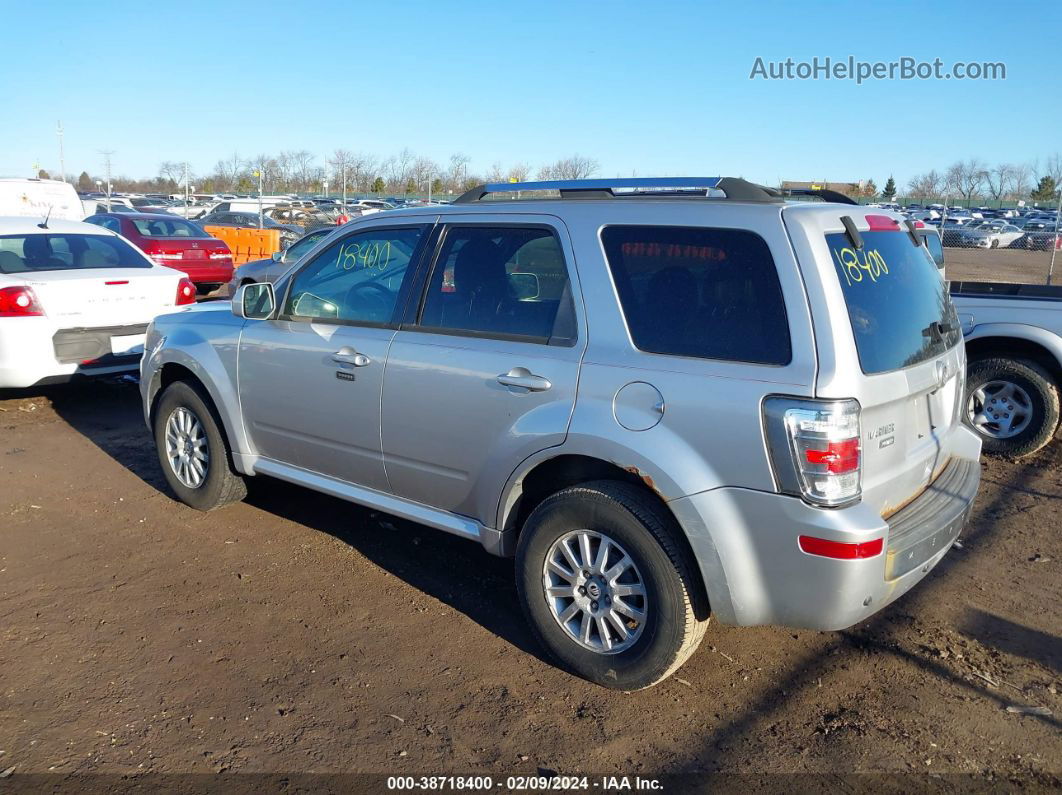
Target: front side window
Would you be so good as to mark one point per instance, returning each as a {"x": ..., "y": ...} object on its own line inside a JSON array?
[
  {"x": 501, "y": 281},
  {"x": 58, "y": 252},
  {"x": 700, "y": 292},
  {"x": 303, "y": 245},
  {"x": 357, "y": 279}
]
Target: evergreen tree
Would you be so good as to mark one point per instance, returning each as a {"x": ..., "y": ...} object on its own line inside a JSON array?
[
  {"x": 85, "y": 183},
  {"x": 1046, "y": 189},
  {"x": 890, "y": 189}
]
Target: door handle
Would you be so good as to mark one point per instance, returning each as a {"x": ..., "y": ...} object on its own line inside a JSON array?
[
  {"x": 347, "y": 355},
  {"x": 523, "y": 378}
]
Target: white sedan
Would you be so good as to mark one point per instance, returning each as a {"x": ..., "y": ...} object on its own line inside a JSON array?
[
  {"x": 991, "y": 235},
  {"x": 76, "y": 299}
]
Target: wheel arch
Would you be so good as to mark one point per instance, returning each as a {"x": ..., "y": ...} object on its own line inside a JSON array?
[
  {"x": 1012, "y": 346},
  {"x": 177, "y": 369},
  {"x": 541, "y": 478}
]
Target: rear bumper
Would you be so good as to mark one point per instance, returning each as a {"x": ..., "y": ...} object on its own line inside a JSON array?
[
  {"x": 755, "y": 572},
  {"x": 33, "y": 352},
  {"x": 205, "y": 274}
]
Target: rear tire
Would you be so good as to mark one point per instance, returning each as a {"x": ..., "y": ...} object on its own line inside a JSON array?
[
  {"x": 674, "y": 607},
  {"x": 192, "y": 450},
  {"x": 1037, "y": 397}
]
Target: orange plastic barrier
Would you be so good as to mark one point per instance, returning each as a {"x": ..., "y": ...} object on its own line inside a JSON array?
[{"x": 247, "y": 245}]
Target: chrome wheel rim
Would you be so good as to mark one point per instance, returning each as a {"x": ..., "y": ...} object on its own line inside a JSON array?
[
  {"x": 1000, "y": 409},
  {"x": 186, "y": 448},
  {"x": 595, "y": 591}
]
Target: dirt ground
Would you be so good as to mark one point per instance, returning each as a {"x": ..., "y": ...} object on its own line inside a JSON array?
[
  {"x": 1001, "y": 265},
  {"x": 295, "y": 633}
]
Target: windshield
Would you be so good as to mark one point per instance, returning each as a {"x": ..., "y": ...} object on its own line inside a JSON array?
[
  {"x": 168, "y": 227},
  {"x": 56, "y": 252},
  {"x": 898, "y": 305}
]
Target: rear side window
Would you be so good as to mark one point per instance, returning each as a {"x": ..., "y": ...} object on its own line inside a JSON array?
[
  {"x": 501, "y": 282},
  {"x": 48, "y": 252},
  {"x": 898, "y": 305},
  {"x": 168, "y": 227},
  {"x": 695, "y": 291}
]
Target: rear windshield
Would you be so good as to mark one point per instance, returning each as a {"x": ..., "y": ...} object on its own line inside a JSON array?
[
  {"x": 899, "y": 307},
  {"x": 168, "y": 227},
  {"x": 48, "y": 252}
]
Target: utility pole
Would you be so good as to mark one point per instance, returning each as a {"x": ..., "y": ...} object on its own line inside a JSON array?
[
  {"x": 62, "y": 162},
  {"x": 107, "y": 168},
  {"x": 343, "y": 173},
  {"x": 186, "y": 181},
  {"x": 1054, "y": 245}
]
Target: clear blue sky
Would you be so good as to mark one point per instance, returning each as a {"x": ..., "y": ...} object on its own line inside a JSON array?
[{"x": 642, "y": 87}]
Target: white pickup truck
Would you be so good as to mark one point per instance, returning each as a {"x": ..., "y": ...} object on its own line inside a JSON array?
[{"x": 1013, "y": 338}]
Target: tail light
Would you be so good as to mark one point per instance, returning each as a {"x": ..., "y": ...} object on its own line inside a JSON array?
[
  {"x": 815, "y": 449},
  {"x": 155, "y": 252},
  {"x": 220, "y": 253},
  {"x": 185, "y": 292},
  {"x": 19, "y": 302}
]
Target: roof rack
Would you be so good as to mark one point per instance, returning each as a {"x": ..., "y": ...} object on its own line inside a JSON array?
[
  {"x": 732, "y": 188},
  {"x": 820, "y": 193}
]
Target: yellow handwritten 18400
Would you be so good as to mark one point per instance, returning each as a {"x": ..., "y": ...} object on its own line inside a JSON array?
[
  {"x": 855, "y": 263},
  {"x": 366, "y": 254}
]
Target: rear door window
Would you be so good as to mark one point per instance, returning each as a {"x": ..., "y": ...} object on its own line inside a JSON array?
[
  {"x": 898, "y": 305},
  {"x": 503, "y": 282},
  {"x": 699, "y": 292}
]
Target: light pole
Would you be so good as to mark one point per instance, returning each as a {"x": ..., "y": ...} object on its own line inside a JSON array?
[
  {"x": 343, "y": 174},
  {"x": 258, "y": 174},
  {"x": 324, "y": 185},
  {"x": 62, "y": 162}
]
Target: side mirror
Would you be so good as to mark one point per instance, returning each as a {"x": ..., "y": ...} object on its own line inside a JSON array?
[
  {"x": 278, "y": 256},
  {"x": 254, "y": 301}
]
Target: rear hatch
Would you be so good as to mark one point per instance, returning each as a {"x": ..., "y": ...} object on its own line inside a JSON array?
[{"x": 888, "y": 336}]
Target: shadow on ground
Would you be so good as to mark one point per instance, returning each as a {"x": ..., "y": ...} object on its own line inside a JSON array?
[{"x": 470, "y": 580}]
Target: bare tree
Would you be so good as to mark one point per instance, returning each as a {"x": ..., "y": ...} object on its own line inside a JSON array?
[
  {"x": 925, "y": 185},
  {"x": 520, "y": 172},
  {"x": 496, "y": 173},
  {"x": 457, "y": 171},
  {"x": 574, "y": 167},
  {"x": 965, "y": 178},
  {"x": 999, "y": 179},
  {"x": 169, "y": 170}
]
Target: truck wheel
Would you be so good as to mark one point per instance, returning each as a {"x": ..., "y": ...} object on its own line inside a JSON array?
[
  {"x": 606, "y": 586},
  {"x": 1012, "y": 404},
  {"x": 192, "y": 450}
]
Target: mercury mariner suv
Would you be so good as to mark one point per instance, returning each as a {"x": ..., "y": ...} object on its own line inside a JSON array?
[{"x": 667, "y": 398}]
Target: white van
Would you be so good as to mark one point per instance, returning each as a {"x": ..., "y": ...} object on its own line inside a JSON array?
[{"x": 33, "y": 197}]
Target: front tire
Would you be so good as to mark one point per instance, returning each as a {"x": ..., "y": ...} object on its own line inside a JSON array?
[
  {"x": 607, "y": 586},
  {"x": 1012, "y": 405},
  {"x": 192, "y": 450}
]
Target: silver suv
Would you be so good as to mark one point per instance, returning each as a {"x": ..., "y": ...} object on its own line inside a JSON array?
[{"x": 667, "y": 398}]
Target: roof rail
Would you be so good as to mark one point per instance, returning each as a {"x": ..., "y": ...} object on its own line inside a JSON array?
[
  {"x": 822, "y": 193},
  {"x": 733, "y": 188}
]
